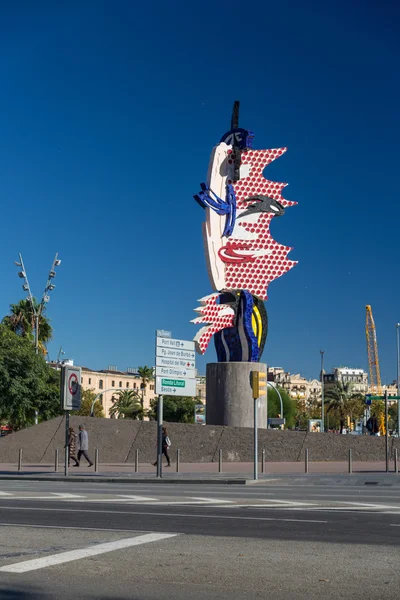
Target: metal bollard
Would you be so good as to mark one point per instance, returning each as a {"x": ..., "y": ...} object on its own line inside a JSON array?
[
  {"x": 306, "y": 460},
  {"x": 20, "y": 459},
  {"x": 137, "y": 461},
  {"x": 396, "y": 464},
  {"x": 178, "y": 459},
  {"x": 350, "y": 461},
  {"x": 56, "y": 460},
  {"x": 220, "y": 461},
  {"x": 263, "y": 461},
  {"x": 96, "y": 460}
]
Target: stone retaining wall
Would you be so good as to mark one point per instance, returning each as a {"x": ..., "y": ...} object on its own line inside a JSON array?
[{"x": 118, "y": 440}]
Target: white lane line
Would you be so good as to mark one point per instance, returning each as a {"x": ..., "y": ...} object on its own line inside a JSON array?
[
  {"x": 23, "y": 525},
  {"x": 5, "y": 494},
  {"x": 370, "y": 505},
  {"x": 394, "y": 524},
  {"x": 213, "y": 500},
  {"x": 60, "y": 495},
  {"x": 159, "y": 514},
  {"x": 71, "y": 555},
  {"x": 138, "y": 498}
]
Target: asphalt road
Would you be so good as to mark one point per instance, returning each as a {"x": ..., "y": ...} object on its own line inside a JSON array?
[{"x": 120, "y": 542}]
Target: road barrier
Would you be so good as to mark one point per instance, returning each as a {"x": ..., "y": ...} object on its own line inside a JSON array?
[
  {"x": 56, "y": 460},
  {"x": 178, "y": 459},
  {"x": 350, "y": 461},
  {"x": 263, "y": 461},
  {"x": 96, "y": 460},
  {"x": 306, "y": 460},
  {"x": 137, "y": 461},
  {"x": 396, "y": 464},
  {"x": 20, "y": 459},
  {"x": 220, "y": 461}
]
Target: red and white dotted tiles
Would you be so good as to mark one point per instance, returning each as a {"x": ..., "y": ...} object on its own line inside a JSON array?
[{"x": 249, "y": 259}]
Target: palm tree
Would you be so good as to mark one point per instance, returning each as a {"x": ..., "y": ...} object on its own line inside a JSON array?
[
  {"x": 126, "y": 406},
  {"x": 21, "y": 321},
  {"x": 146, "y": 375},
  {"x": 343, "y": 401}
]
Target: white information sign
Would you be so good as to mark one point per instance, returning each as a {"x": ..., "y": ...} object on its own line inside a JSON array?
[
  {"x": 176, "y": 344},
  {"x": 70, "y": 388},
  {"x": 176, "y": 372},
  {"x": 172, "y": 353},
  {"x": 175, "y": 362},
  {"x": 171, "y": 386}
]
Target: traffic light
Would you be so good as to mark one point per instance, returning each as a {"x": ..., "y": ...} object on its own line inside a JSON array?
[{"x": 258, "y": 383}]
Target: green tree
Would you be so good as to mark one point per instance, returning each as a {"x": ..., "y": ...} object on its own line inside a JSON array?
[
  {"x": 146, "y": 375},
  {"x": 126, "y": 406},
  {"x": 176, "y": 409},
  {"x": 274, "y": 405},
  {"x": 21, "y": 321},
  {"x": 343, "y": 402},
  {"x": 27, "y": 383},
  {"x": 87, "y": 397}
]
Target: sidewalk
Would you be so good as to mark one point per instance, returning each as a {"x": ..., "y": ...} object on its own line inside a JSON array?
[{"x": 237, "y": 469}]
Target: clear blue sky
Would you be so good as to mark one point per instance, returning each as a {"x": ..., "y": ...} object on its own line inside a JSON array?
[{"x": 109, "y": 111}]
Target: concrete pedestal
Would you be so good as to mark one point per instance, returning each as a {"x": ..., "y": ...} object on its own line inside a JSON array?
[{"x": 229, "y": 395}]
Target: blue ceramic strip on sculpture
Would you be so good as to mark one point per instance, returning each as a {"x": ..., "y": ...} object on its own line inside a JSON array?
[
  {"x": 239, "y": 343},
  {"x": 208, "y": 199}
]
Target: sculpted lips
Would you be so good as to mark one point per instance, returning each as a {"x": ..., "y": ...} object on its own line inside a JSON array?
[{"x": 240, "y": 253}]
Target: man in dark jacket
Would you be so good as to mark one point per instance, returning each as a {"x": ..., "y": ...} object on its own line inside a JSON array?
[{"x": 83, "y": 445}]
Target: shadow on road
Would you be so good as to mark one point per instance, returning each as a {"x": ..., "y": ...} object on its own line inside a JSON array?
[{"x": 32, "y": 592}]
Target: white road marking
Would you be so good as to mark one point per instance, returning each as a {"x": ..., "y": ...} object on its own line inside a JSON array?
[
  {"x": 213, "y": 500},
  {"x": 5, "y": 494},
  {"x": 370, "y": 505},
  {"x": 138, "y": 498},
  {"x": 394, "y": 524},
  {"x": 59, "y": 495},
  {"x": 64, "y": 557},
  {"x": 159, "y": 514},
  {"x": 23, "y": 525}
]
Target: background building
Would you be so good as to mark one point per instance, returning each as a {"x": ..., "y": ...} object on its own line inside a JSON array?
[
  {"x": 297, "y": 387},
  {"x": 358, "y": 377},
  {"x": 107, "y": 382}
]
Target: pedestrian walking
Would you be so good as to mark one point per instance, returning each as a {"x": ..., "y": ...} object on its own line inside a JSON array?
[
  {"x": 165, "y": 444},
  {"x": 83, "y": 440},
  {"x": 72, "y": 447}
]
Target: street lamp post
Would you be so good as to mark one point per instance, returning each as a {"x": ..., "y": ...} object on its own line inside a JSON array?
[
  {"x": 271, "y": 384},
  {"x": 398, "y": 377},
  {"x": 322, "y": 352},
  {"x": 37, "y": 311}
]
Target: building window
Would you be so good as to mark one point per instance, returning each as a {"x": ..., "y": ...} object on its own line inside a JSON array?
[
  {"x": 152, "y": 387},
  {"x": 81, "y": 379},
  {"x": 120, "y": 384},
  {"x": 134, "y": 386},
  {"x": 127, "y": 384},
  {"x": 101, "y": 384},
  {"x": 90, "y": 380},
  {"x": 113, "y": 384}
]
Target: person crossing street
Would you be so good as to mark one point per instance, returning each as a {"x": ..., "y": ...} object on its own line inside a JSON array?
[{"x": 83, "y": 445}]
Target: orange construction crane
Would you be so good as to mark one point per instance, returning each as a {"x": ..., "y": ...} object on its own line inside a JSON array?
[{"x": 372, "y": 349}]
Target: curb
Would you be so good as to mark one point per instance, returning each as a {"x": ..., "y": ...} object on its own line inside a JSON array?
[{"x": 101, "y": 479}]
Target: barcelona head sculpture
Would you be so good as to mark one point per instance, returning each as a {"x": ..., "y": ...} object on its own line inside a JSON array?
[{"x": 242, "y": 257}]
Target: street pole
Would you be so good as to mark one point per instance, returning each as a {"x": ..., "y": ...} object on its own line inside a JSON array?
[
  {"x": 36, "y": 332},
  {"x": 387, "y": 431},
  {"x": 398, "y": 377},
  {"x": 66, "y": 443},
  {"x": 266, "y": 396},
  {"x": 256, "y": 439},
  {"x": 322, "y": 352},
  {"x": 159, "y": 436}
]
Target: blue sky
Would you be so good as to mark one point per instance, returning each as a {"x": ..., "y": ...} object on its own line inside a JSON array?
[{"x": 109, "y": 111}]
